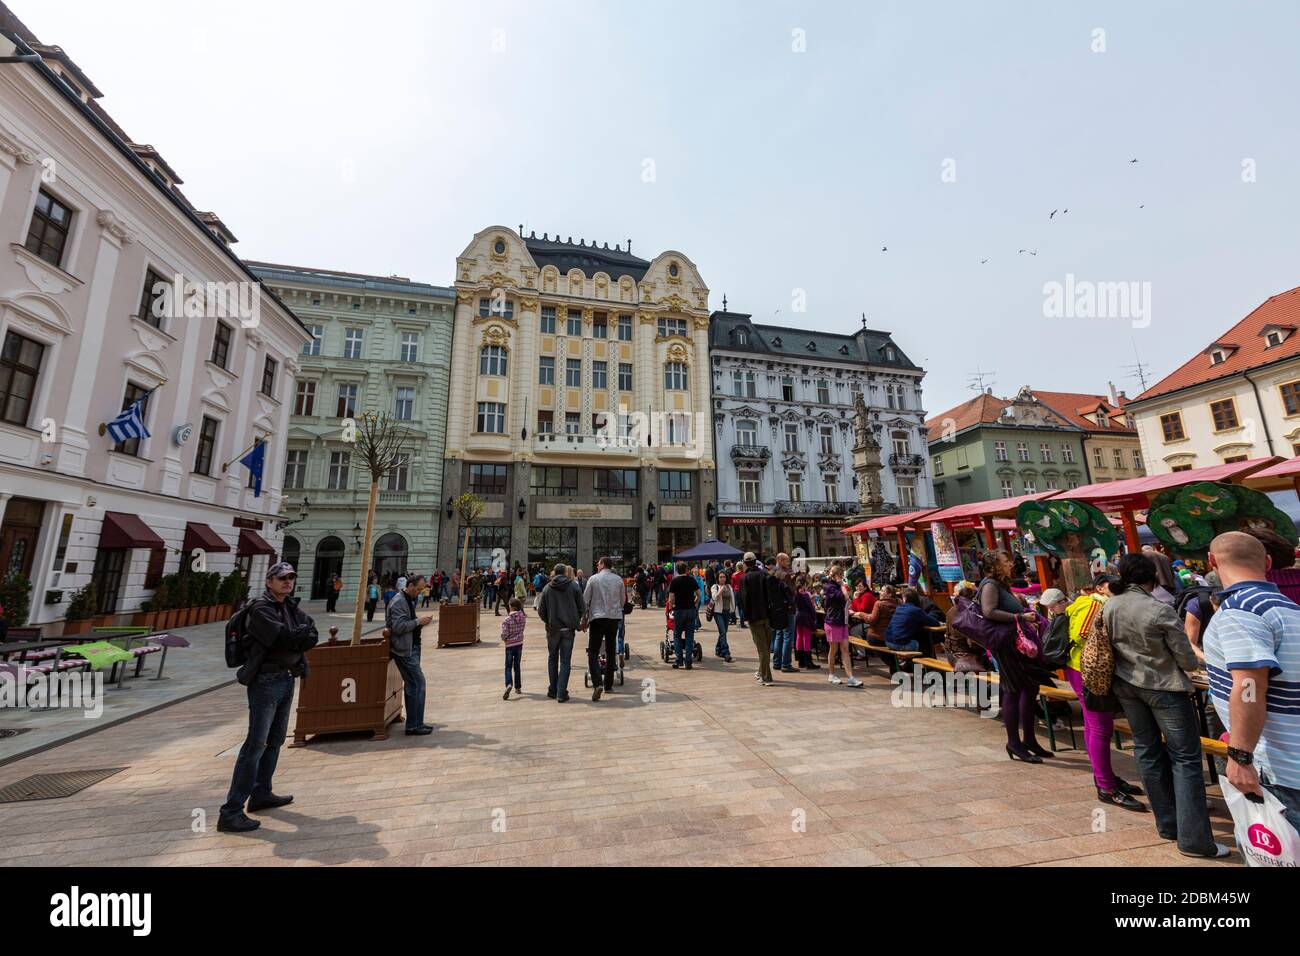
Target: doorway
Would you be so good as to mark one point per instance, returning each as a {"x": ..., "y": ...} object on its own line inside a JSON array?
[
  {"x": 18, "y": 536},
  {"x": 329, "y": 560}
]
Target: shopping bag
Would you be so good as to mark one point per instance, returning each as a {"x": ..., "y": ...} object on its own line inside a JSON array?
[{"x": 1264, "y": 836}]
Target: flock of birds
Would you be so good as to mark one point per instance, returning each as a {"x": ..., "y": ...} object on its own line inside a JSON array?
[{"x": 1051, "y": 216}]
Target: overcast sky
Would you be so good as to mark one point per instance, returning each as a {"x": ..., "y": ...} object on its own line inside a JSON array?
[{"x": 380, "y": 136}]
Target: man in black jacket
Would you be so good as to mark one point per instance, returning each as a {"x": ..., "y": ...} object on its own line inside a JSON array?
[
  {"x": 277, "y": 633},
  {"x": 753, "y": 603},
  {"x": 561, "y": 609}
]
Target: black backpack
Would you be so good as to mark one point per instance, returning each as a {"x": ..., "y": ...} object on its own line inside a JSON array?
[
  {"x": 236, "y": 636},
  {"x": 1201, "y": 593}
]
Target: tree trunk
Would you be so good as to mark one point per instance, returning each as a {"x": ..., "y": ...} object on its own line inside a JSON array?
[
  {"x": 464, "y": 563},
  {"x": 363, "y": 583}
]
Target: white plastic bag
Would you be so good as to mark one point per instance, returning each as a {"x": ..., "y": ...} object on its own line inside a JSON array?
[{"x": 1264, "y": 836}]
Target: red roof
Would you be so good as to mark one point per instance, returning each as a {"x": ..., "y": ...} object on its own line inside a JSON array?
[
  {"x": 1137, "y": 492},
  {"x": 1072, "y": 406},
  {"x": 983, "y": 409},
  {"x": 888, "y": 522},
  {"x": 994, "y": 507},
  {"x": 1250, "y": 350}
]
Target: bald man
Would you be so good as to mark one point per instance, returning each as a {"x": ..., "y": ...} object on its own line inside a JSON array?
[{"x": 1252, "y": 654}]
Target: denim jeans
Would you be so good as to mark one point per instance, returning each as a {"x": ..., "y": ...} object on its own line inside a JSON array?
[
  {"x": 622, "y": 632},
  {"x": 782, "y": 646},
  {"x": 514, "y": 654},
  {"x": 723, "y": 649},
  {"x": 412, "y": 687},
  {"x": 559, "y": 654},
  {"x": 270, "y": 701},
  {"x": 684, "y": 622},
  {"x": 604, "y": 630},
  {"x": 1171, "y": 769}
]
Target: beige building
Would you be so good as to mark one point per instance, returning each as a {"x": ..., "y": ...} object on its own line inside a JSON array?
[
  {"x": 1112, "y": 450},
  {"x": 579, "y": 403}
]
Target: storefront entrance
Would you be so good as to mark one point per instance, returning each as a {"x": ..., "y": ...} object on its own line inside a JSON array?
[
  {"x": 18, "y": 536},
  {"x": 329, "y": 560}
]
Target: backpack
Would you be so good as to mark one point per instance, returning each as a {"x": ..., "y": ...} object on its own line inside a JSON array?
[
  {"x": 1056, "y": 642},
  {"x": 236, "y": 636},
  {"x": 1202, "y": 594}
]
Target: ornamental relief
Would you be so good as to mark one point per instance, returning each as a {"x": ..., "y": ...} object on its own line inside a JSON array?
[{"x": 496, "y": 335}]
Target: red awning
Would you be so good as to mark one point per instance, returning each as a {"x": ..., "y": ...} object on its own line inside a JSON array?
[
  {"x": 250, "y": 542},
  {"x": 201, "y": 536},
  {"x": 973, "y": 515},
  {"x": 122, "y": 530},
  {"x": 887, "y": 522},
  {"x": 1135, "y": 493},
  {"x": 1279, "y": 477}
]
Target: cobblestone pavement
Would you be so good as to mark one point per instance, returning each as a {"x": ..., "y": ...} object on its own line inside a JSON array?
[{"x": 682, "y": 768}]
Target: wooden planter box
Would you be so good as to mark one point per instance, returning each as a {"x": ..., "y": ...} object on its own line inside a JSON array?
[
  {"x": 77, "y": 627},
  {"x": 377, "y": 694},
  {"x": 147, "y": 619},
  {"x": 458, "y": 624}
]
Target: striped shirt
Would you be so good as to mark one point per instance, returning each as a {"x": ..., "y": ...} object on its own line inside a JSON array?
[
  {"x": 512, "y": 628},
  {"x": 1255, "y": 627}
]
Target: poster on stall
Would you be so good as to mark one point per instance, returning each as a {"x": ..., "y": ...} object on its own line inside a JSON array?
[{"x": 945, "y": 552}]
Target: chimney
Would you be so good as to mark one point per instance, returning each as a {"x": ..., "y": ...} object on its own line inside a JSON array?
[{"x": 1114, "y": 398}]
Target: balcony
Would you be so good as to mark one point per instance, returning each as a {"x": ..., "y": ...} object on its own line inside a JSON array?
[
  {"x": 751, "y": 454},
  {"x": 814, "y": 508},
  {"x": 906, "y": 464}
]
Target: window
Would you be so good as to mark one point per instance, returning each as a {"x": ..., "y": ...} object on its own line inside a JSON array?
[
  {"x": 404, "y": 406},
  {"x": 1118, "y": 455},
  {"x": 304, "y": 399},
  {"x": 1067, "y": 453},
  {"x": 600, "y": 326},
  {"x": 938, "y": 465},
  {"x": 1008, "y": 488},
  {"x": 791, "y": 437},
  {"x": 1181, "y": 468},
  {"x": 548, "y": 547},
  {"x": 268, "y": 376},
  {"x": 546, "y": 370},
  {"x": 573, "y": 324},
  {"x": 1171, "y": 426},
  {"x": 1052, "y": 484},
  {"x": 549, "y": 480},
  {"x": 625, "y": 328},
  {"x": 668, "y": 327},
  {"x": 546, "y": 422},
  {"x": 750, "y": 487},
  {"x": 794, "y": 486},
  {"x": 485, "y": 544},
  {"x": 787, "y": 389},
  {"x": 827, "y": 433},
  {"x": 747, "y": 434},
  {"x": 620, "y": 545},
  {"x": 674, "y": 484},
  {"x": 907, "y": 494},
  {"x": 340, "y": 470},
  {"x": 1137, "y": 459},
  {"x": 599, "y": 375},
  {"x": 941, "y": 496},
  {"x": 1225, "y": 414},
  {"x": 573, "y": 373},
  {"x": 352, "y": 343},
  {"x": 963, "y": 461},
  {"x": 399, "y": 475},
  {"x": 1273, "y": 339},
  {"x": 617, "y": 482},
  {"x": 1074, "y": 483},
  {"x": 1097, "y": 460},
  {"x": 895, "y": 397},
  {"x": 679, "y": 428},
  {"x": 1217, "y": 357},
  {"x": 20, "y": 365},
  {"x": 1234, "y": 458},
  {"x": 675, "y": 376},
  {"x": 1291, "y": 397},
  {"x": 410, "y": 349},
  {"x": 1022, "y": 451},
  {"x": 1031, "y": 486},
  {"x": 831, "y": 487},
  {"x": 221, "y": 345},
  {"x": 47, "y": 236},
  {"x": 496, "y": 305},
  {"x": 347, "y": 404},
  {"x": 1000, "y": 451},
  {"x": 487, "y": 479},
  {"x": 153, "y": 299},
  {"x": 134, "y": 393},
  {"x": 900, "y": 443},
  {"x": 295, "y": 468},
  {"x": 317, "y": 337},
  {"x": 548, "y": 320},
  {"x": 492, "y": 360},
  {"x": 625, "y": 376},
  {"x": 207, "y": 446},
  {"x": 491, "y": 418},
  {"x": 823, "y": 393},
  {"x": 572, "y": 423},
  {"x": 1046, "y": 451}
]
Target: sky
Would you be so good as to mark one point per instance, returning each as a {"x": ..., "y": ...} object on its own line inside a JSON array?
[{"x": 782, "y": 146}]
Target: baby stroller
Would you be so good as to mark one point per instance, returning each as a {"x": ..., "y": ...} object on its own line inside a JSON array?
[
  {"x": 622, "y": 659},
  {"x": 666, "y": 649}
]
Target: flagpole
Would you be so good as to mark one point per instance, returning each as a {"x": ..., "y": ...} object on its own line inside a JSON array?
[
  {"x": 256, "y": 442},
  {"x": 103, "y": 426}
]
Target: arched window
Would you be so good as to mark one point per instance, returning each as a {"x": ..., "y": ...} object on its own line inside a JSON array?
[
  {"x": 492, "y": 360},
  {"x": 391, "y": 554},
  {"x": 292, "y": 551}
]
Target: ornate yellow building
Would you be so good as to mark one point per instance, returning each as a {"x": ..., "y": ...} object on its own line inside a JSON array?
[{"x": 579, "y": 403}]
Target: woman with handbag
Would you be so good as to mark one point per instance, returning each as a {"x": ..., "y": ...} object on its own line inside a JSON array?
[
  {"x": 965, "y": 656},
  {"x": 722, "y": 603},
  {"x": 1019, "y": 673}
]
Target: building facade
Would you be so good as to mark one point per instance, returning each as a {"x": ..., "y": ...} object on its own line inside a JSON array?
[
  {"x": 783, "y": 405},
  {"x": 1112, "y": 450},
  {"x": 114, "y": 287},
  {"x": 993, "y": 447},
  {"x": 379, "y": 345},
  {"x": 583, "y": 372},
  {"x": 1237, "y": 399}
]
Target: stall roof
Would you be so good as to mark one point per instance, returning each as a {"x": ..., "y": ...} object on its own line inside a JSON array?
[
  {"x": 888, "y": 522},
  {"x": 994, "y": 508},
  {"x": 1279, "y": 477},
  {"x": 1135, "y": 492}
]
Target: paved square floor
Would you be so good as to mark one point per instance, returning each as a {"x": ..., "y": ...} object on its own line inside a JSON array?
[{"x": 681, "y": 768}]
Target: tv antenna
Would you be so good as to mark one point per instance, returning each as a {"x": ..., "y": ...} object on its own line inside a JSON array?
[
  {"x": 980, "y": 380},
  {"x": 1139, "y": 369}
]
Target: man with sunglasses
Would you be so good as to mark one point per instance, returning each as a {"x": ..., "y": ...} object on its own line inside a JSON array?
[{"x": 277, "y": 633}]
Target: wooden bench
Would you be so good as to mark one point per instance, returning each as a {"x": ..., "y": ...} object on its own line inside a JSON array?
[
  {"x": 898, "y": 656},
  {"x": 1209, "y": 746}
]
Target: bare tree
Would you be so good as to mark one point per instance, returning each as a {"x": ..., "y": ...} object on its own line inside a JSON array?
[
  {"x": 380, "y": 443},
  {"x": 470, "y": 508}
]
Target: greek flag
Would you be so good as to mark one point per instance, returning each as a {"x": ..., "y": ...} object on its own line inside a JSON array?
[{"x": 130, "y": 423}]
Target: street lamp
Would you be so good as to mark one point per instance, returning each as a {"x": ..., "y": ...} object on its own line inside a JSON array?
[
  {"x": 650, "y": 511},
  {"x": 711, "y": 512},
  {"x": 451, "y": 507},
  {"x": 523, "y": 509},
  {"x": 356, "y": 534}
]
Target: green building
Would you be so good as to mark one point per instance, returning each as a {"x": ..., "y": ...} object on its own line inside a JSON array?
[{"x": 993, "y": 447}]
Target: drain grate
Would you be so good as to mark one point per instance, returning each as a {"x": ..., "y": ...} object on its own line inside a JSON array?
[
  {"x": 52, "y": 786},
  {"x": 8, "y": 732}
]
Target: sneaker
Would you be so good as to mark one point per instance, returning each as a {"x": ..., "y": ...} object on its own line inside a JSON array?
[
  {"x": 506, "y": 695},
  {"x": 727, "y": 659},
  {"x": 834, "y": 680},
  {"x": 768, "y": 683},
  {"x": 758, "y": 675},
  {"x": 788, "y": 670},
  {"x": 854, "y": 682}
]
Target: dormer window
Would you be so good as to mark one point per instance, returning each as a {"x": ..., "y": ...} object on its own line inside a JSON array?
[
  {"x": 890, "y": 355},
  {"x": 1218, "y": 357},
  {"x": 673, "y": 270},
  {"x": 776, "y": 342},
  {"x": 1273, "y": 338},
  {"x": 844, "y": 350},
  {"x": 742, "y": 336},
  {"x": 812, "y": 346}
]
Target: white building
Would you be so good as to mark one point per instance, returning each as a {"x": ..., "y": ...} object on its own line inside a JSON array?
[
  {"x": 783, "y": 413},
  {"x": 95, "y": 232},
  {"x": 1236, "y": 399}
]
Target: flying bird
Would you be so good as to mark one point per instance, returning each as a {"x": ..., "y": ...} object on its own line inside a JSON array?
[
  {"x": 1134, "y": 160},
  {"x": 884, "y": 248},
  {"x": 1053, "y": 215},
  {"x": 1142, "y": 205},
  {"x": 982, "y": 261}
]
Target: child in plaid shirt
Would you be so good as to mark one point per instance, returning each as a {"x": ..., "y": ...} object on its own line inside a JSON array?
[{"x": 512, "y": 636}]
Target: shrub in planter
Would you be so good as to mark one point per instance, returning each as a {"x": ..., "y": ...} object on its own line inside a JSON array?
[
  {"x": 147, "y": 616},
  {"x": 80, "y": 610},
  {"x": 16, "y": 600}
]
